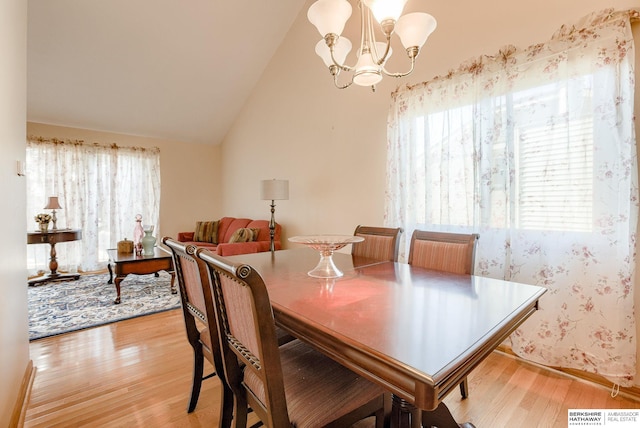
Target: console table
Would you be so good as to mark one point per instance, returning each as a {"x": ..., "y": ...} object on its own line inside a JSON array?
[{"x": 52, "y": 237}]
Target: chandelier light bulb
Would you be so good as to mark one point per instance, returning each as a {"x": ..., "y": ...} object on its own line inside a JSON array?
[
  {"x": 384, "y": 10},
  {"x": 367, "y": 73},
  {"x": 414, "y": 29},
  {"x": 329, "y": 16},
  {"x": 340, "y": 51}
]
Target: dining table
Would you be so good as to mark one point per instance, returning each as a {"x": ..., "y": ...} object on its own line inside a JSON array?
[{"x": 416, "y": 332}]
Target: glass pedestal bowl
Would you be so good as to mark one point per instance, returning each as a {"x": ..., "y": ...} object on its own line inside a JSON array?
[{"x": 326, "y": 245}]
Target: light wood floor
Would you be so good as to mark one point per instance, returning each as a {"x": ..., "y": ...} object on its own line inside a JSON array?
[{"x": 136, "y": 373}]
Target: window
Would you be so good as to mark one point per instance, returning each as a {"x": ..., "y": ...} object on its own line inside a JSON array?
[{"x": 101, "y": 188}]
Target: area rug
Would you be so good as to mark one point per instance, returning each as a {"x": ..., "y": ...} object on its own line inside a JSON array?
[{"x": 62, "y": 307}]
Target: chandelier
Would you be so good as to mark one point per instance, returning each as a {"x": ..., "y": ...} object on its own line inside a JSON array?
[{"x": 330, "y": 17}]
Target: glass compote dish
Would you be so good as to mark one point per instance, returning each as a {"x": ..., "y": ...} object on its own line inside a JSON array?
[{"x": 326, "y": 245}]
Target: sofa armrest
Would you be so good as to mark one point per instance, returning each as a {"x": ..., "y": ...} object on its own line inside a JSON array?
[
  {"x": 185, "y": 236},
  {"x": 234, "y": 249}
]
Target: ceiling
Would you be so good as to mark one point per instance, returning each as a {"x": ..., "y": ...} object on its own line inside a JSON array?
[{"x": 170, "y": 69}]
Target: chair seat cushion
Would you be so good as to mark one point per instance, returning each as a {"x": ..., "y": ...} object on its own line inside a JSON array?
[{"x": 318, "y": 390}]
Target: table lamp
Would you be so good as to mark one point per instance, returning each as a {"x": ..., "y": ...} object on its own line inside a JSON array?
[
  {"x": 274, "y": 190},
  {"x": 53, "y": 205}
]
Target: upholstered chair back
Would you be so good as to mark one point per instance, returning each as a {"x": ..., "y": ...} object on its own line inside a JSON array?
[
  {"x": 447, "y": 252},
  {"x": 380, "y": 243}
]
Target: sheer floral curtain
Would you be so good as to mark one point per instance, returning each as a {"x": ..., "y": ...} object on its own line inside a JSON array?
[
  {"x": 535, "y": 150},
  {"x": 101, "y": 188}
]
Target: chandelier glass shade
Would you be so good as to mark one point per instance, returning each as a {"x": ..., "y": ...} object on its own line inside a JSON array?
[{"x": 330, "y": 17}]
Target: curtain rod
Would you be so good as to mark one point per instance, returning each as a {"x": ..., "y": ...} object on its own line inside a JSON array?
[{"x": 57, "y": 141}]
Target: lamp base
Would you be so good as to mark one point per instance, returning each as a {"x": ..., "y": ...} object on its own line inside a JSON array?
[{"x": 272, "y": 227}]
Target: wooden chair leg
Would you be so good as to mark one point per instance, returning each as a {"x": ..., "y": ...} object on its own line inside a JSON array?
[
  {"x": 196, "y": 383},
  {"x": 464, "y": 388},
  {"x": 240, "y": 409},
  {"x": 227, "y": 409}
]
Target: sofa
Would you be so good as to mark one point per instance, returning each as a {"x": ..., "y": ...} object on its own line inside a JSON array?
[{"x": 231, "y": 236}]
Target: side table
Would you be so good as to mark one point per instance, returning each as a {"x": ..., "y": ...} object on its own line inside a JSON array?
[{"x": 52, "y": 237}]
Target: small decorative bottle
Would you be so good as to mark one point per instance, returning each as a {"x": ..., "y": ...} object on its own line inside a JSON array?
[
  {"x": 148, "y": 241},
  {"x": 138, "y": 234}
]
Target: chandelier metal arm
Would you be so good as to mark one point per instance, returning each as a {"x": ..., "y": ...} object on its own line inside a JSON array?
[
  {"x": 381, "y": 59},
  {"x": 335, "y": 71},
  {"x": 412, "y": 52},
  {"x": 331, "y": 40},
  {"x": 335, "y": 82}
]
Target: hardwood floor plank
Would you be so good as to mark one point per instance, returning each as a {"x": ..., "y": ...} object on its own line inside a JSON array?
[{"x": 137, "y": 373}]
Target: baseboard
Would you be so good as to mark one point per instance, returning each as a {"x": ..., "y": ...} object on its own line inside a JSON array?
[
  {"x": 24, "y": 395},
  {"x": 633, "y": 392}
]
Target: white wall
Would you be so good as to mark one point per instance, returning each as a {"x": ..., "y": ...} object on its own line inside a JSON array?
[
  {"x": 14, "y": 349},
  {"x": 331, "y": 144}
]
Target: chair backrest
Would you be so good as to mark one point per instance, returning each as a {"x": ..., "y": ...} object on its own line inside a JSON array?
[
  {"x": 196, "y": 299},
  {"x": 448, "y": 252},
  {"x": 380, "y": 243},
  {"x": 249, "y": 343}
]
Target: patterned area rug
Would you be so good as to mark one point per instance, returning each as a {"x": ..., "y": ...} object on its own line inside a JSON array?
[{"x": 62, "y": 307}]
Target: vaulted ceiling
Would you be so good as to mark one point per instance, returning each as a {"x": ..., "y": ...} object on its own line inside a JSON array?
[{"x": 171, "y": 69}]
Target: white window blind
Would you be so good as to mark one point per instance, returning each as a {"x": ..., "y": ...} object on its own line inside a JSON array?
[
  {"x": 551, "y": 156},
  {"x": 553, "y": 161}
]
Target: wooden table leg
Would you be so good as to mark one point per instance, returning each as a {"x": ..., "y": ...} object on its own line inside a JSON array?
[
  {"x": 406, "y": 415},
  {"x": 119, "y": 279},
  {"x": 117, "y": 282},
  {"x": 110, "y": 273},
  {"x": 53, "y": 275},
  {"x": 442, "y": 418},
  {"x": 53, "y": 261},
  {"x": 173, "y": 285}
]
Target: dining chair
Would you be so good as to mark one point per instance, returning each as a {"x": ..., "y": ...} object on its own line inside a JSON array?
[
  {"x": 288, "y": 386},
  {"x": 447, "y": 252},
  {"x": 199, "y": 315},
  {"x": 380, "y": 243},
  {"x": 199, "y": 318}
]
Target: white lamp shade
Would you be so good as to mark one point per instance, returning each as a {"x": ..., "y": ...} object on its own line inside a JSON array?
[
  {"x": 386, "y": 9},
  {"x": 340, "y": 51},
  {"x": 274, "y": 189},
  {"x": 329, "y": 16},
  {"x": 414, "y": 28},
  {"x": 367, "y": 71}
]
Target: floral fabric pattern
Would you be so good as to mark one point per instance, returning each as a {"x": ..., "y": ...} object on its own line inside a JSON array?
[
  {"x": 454, "y": 165},
  {"x": 101, "y": 189}
]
